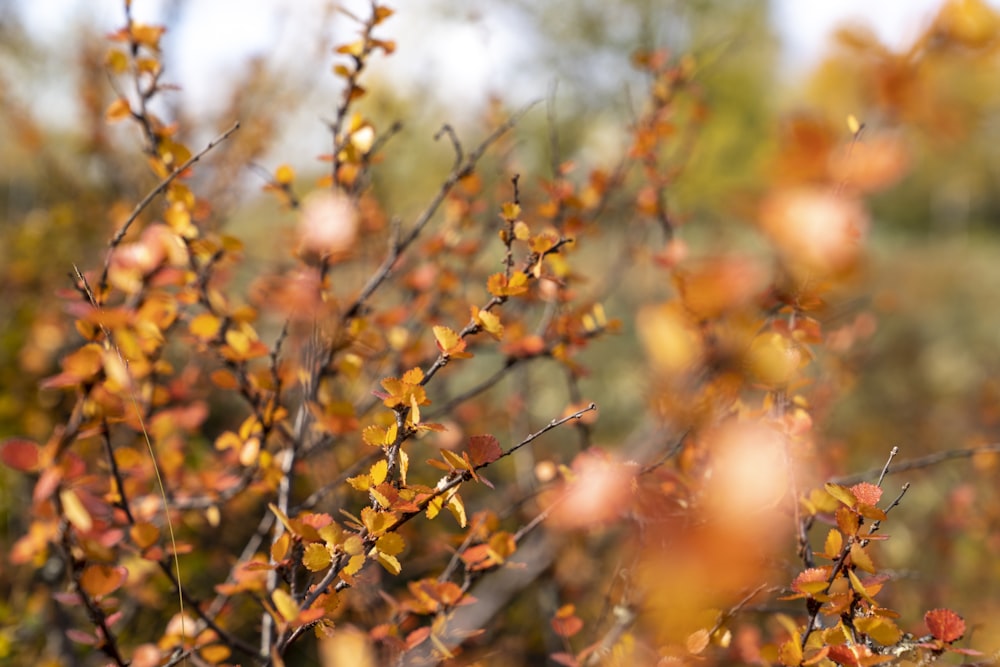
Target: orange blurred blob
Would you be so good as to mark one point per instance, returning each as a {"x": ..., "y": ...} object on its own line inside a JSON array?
[
  {"x": 773, "y": 359},
  {"x": 297, "y": 294},
  {"x": 714, "y": 286},
  {"x": 972, "y": 23},
  {"x": 871, "y": 165},
  {"x": 749, "y": 473},
  {"x": 671, "y": 340},
  {"x": 598, "y": 491},
  {"x": 814, "y": 229}
]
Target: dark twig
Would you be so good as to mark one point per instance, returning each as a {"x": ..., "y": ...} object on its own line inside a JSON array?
[
  {"x": 919, "y": 463},
  {"x": 141, "y": 206},
  {"x": 400, "y": 244}
]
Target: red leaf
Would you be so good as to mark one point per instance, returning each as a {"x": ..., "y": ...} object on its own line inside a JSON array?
[
  {"x": 867, "y": 493},
  {"x": 20, "y": 454},
  {"x": 945, "y": 624},
  {"x": 484, "y": 449}
]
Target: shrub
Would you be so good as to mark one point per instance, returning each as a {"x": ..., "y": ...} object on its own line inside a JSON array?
[{"x": 341, "y": 457}]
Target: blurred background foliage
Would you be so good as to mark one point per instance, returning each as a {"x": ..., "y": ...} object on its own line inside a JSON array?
[{"x": 926, "y": 380}]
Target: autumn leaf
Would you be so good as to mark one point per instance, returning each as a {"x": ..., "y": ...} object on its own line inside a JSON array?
[
  {"x": 316, "y": 557},
  {"x": 945, "y": 625},
  {"x": 566, "y": 623},
  {"x": 450, "y": 343},
  {"x": 75, "y": 511},
  {"x": 118, "y": 110},
  {"x": 20, "y": 454},
  {"x": 510, "y": 211},
  {"x": 377, "y": 522},
  {"x": 499, "y": 285},
  {"x": 867, "y": 493},
  {"x": 484, "y": 449},
  {"x": 489, "y": 322},
  {"x": 812, "y": 581}
]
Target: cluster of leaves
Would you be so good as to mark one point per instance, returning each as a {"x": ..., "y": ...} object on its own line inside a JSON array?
[{"x": 276, "y": 443}]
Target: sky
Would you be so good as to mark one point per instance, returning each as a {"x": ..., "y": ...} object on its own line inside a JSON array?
[
  {"x": 209, "y": 50},
  {"x": 226, "y": 31}
]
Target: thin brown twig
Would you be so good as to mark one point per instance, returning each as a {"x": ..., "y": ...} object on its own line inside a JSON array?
[
  {"x": 141, "y": 206},
  {"x": 400, "y": 245},
  {"x": 919, "y": 463}
]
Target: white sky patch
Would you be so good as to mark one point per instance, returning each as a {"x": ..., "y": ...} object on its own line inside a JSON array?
[
  {"x": 459, "y": 56},
  {"x": 805, "y": 26}
]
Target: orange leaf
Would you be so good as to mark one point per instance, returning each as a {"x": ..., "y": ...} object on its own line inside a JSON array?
[
  {"x": 285, "y": 606},
  {"x": 867, "y": 493},
  {"x": 144, "y": 534},
  {"x": 100, "y": 580},
  {"x": 118, "y": 110}
]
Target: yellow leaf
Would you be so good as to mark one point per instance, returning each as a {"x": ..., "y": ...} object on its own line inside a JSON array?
[
  {"x": 390, "y": 543},
  {"x": 214, "y": 654},
  {"x": 353, "y": 545},
  {"x": 330, "y": 533},
  {"x": 510, "y": 211},
  {"x": 279, "y": 550},
  {"x": 285, "y": 605},
  {"x": 238, "y": 341},
  {"x": 841, "y": 493},
  {"x": 360, "y": 483},
  {"x": 118, "y": 110},
  {"x": 378, "y": 472},
  {"x": 316, "y": 557},
  {"x": 457, "y": 509},
  {"x": 116, "y": 61},
  {"x": 74, "y": 511},
  {"x": 453, "y": 459},
  {"x": 390, "y": 563},
  {"x": 284, "y": 175},
  {"x": 414, "y": 410},
  {"x": 852, "y": 124},
  {"x": 861, "y": 559},
  {"x": 880, "y": 629},
  {"x": 282, "y": 517},
  {"x": 834, "y": 542},
  {"x": 355, "y": 564},
  {"x": 450, "y": 343},
  {"x": 404, "y": 466},
  {"x": 376, "y": 522},
  {"x": 353, "y": 49},
  {"x": 488, "y": 321}
]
